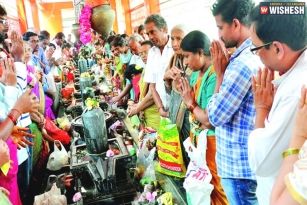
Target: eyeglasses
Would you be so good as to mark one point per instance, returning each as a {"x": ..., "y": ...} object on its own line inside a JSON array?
[
  {"x": 4, "y": 22},
  {"x": 253, "y": 49}
]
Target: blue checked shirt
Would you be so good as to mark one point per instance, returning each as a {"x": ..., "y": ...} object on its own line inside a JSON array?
[
  {"x": 43, "y": 59},
  {"x": 232, "y": 112}
]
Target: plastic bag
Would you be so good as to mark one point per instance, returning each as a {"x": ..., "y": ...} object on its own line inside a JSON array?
[
  {"x": 52, "y": 197},
  {"x": 135, "y": 122},
  {"x": 56, "y": 133},
  {"x": 145, "y": 160},
  {"x": 169, "y": 150},
  {"x": 198, "y": 192},
  {"x": 147, "y": 155},
  {"x": 63, "y": 121},
  {"x": 165, "y": 199},
  {"x": 58, "y": 158},
  {"x": 198, "y": 177},
  {"x": 4, "y": 200},
  {"x": 144, "y": 133},
  {"x": 145, "y": 167},
  {"x": 147, "y": 140}
]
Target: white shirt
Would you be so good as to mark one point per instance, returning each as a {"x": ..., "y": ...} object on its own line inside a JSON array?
[
  {"x": 54, "y": 70},
  {"x": 8, "y": 98},
  {"x": 155, "y": 69},
  {"x": 50, "y": 81},
  {"x": 266, "y": 145},
  {"x": 24, "y": 120},
  {"x": 58, "y": 50},
  {"x": 137, "y": 60}
]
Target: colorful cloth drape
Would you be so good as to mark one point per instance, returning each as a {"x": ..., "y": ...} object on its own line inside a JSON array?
[
  {"x": 10, "y": 181},
  {"x": 120, "y": 71},
  {"x": 177, "y": 111},
  {"x": 151, "y": 114}
]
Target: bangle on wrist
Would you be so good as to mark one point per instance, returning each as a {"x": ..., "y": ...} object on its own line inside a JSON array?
[
  {"x": 17, "y": 111},
  {"x": 15, "y": 114},
  {"x": 193, "y": 106},
  {"x": 290, "y": 151},
  {"x": 11, "y": 117}
]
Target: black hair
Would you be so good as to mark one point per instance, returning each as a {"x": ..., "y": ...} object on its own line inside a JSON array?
[
  {"x": 102, "y": 37},
  {"x": 131, "y": 69},
  {"x": 42, "y": 37},
  {"x": 51, "y": 44},
  {"x": 141, "y": 28},
  {"x": 158, "y": 20},
  {"x": 112, "y": 33},
  {"x": 110, "y": 39},
  {"x": 2, "y": 10},
  {"x": 60, "y": 35},
  {"x": 194, "y": 41},
  {"x": 233, "y": 9},
  {"x": 124, "y": 35},
  {"x": 65, "y": 45},
  {"x": 119, "y": 41},
  {"x": 147, "y": 42},
  {"x": 45, "y": 33},
  {"x": 288, "y": 29},
  {"x": 26, "y": 36},
  {"x": 2, "y": 38},
  {"x": 94, "y": 32},
  {"x": 97, "y": 43}
]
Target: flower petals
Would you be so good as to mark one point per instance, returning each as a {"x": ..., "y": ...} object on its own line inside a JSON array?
[{"x": 85, "y": 24}]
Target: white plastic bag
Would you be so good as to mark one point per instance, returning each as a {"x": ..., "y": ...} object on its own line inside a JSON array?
[
  {"x": 52, "y": 197},
  {"x": 144, "y": 163},
  {"x": 58, "y": 158},
  {"x": 198, "y": 177},
  {"x": 63, "y": 121},
  {"x": 198, "y": 191}
]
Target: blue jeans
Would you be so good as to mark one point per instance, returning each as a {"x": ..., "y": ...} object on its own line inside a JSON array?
[
  {"x": 240, "y": 191},
  {"x": 25, "y": 172}
]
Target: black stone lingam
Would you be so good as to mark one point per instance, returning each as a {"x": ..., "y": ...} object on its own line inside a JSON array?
[{"x": 95, "y": 132}]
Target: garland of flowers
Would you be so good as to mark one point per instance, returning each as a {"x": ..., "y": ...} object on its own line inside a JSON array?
[
  {"x": 91, "y": 103},
  {"x": 85, "y": 24},
  {"x": 85, "y": 75}
]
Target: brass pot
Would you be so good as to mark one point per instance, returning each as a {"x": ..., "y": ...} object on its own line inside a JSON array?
[
  {"x": 75, "y": 29},
  {"x": 102, "y": 19}
]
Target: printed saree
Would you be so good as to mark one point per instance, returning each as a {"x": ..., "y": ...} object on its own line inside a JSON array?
[
  {"x": 151, "y": 114},
  {"x": 296, "y": 181},
  {"x": 10, "y": 181},
  {"x": 204, "y": 88},
  {"x": 177, "y": 112}
]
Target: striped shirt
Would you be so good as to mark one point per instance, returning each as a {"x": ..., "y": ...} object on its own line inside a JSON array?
[{"x": 232, "y": 112}]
